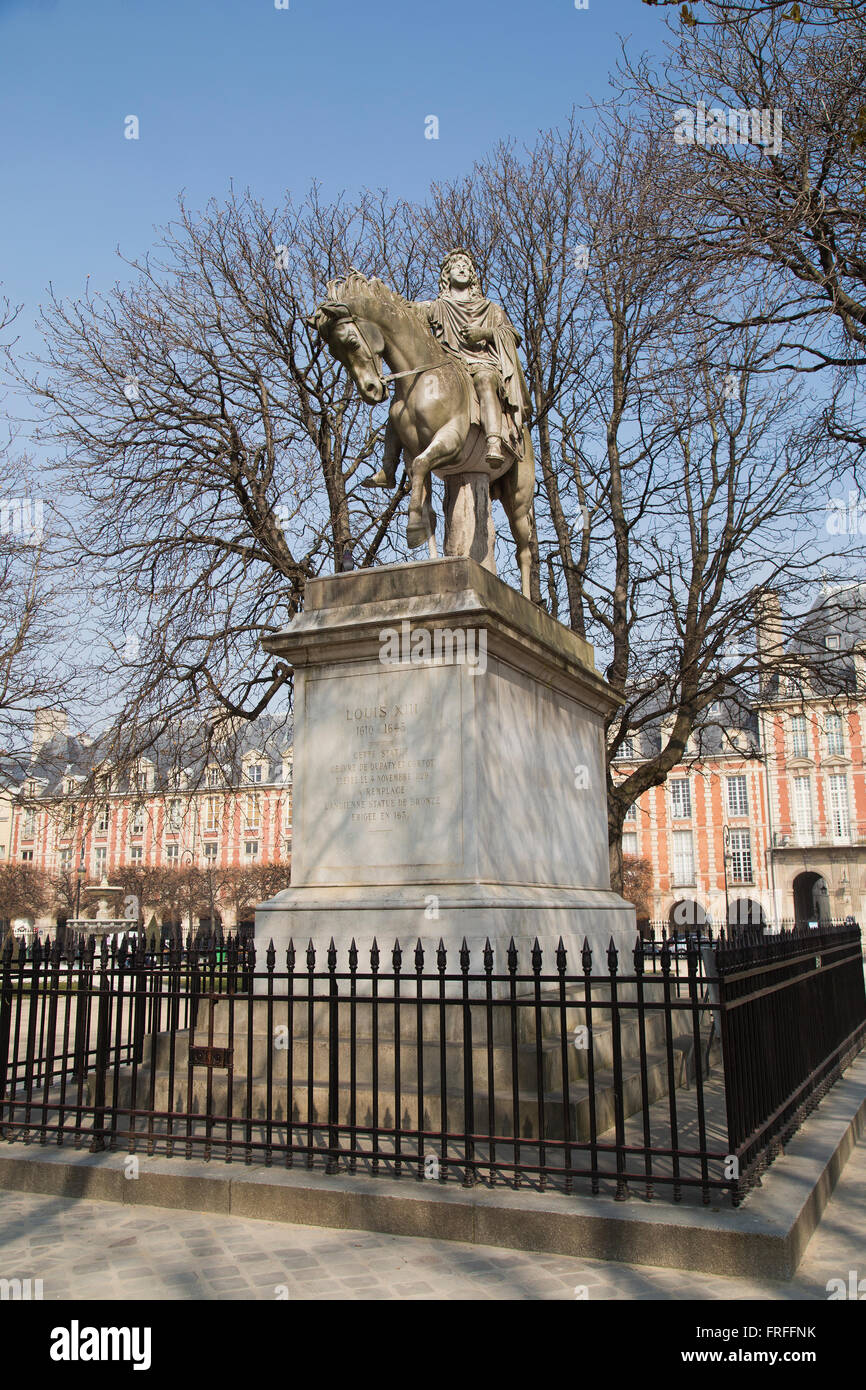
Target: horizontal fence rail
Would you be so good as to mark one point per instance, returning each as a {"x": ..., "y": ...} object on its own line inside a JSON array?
[{"x": 679, "y": 1071}]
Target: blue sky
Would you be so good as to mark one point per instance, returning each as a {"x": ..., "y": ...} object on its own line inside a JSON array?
[{"x": 238, "y": 90}]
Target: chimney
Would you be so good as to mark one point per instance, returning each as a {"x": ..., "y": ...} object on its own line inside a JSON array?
[
  {"x": 46, "y": 724},
  {"x": 768, "y": 628}
]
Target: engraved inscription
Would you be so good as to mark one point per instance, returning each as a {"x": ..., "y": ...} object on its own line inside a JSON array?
[{"x": 387, "y": 784}]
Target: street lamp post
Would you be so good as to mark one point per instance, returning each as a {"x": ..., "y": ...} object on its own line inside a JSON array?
[
  {"x": 80, "y": 873},
  {"x": 191, "y": 862},
  {"x": 726, "y": 856}
]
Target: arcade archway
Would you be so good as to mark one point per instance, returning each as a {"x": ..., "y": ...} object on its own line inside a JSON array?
[
  {"x": 686, "y": 915},
  {"x": 746, "y": 912},
  {"x": 811, "y": 899}
]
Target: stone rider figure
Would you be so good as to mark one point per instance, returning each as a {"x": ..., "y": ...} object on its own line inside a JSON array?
[{"x": 480, "y": 333}]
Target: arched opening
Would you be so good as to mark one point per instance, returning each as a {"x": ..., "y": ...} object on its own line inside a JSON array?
[
  {"x": 745, "y": 912},
  {"x": 686, "y": 915},
  {"x": 811, "y": 899}
]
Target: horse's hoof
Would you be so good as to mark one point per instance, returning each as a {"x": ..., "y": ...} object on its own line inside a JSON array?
[
  {"x": 416, "y": 534},
  {"x": 379, "y": 480}
]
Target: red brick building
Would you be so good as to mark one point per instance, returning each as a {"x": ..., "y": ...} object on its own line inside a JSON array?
[
  {"x": 765, "y": 822},
  {"x": 232, "y": 812}
]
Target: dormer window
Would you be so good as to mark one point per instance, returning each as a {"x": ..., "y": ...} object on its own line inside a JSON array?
[
  {"x": 214, "y": 777},
  {"x": 254, "y": 772},
  {"x": 142, "y": 777},
  {"x": 831, "y": 641}
]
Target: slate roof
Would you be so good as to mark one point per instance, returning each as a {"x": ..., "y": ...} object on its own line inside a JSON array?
[{"x": 65, "y": 755}]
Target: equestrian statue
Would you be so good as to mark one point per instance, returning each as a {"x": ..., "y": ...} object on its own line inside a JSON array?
[{"x": 460, "y": 402}]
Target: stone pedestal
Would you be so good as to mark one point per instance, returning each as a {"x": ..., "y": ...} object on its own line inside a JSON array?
[
  {"x": 469, "y": 526},
  {"x": 448, "y": 773}
]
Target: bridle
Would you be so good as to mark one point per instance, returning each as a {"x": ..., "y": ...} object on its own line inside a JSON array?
[{"x": 385, "y": 377}]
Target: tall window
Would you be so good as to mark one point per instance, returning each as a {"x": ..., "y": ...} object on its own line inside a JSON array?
[
  {"x": 251, "y": 849},
  {"x": 136, "y": 854},
  {"x": 684, "y": 859},
  {"x": 102, "y": 820},
  {"x": 252, "y": 813},
  {"x": 629, "y": 843},
  {"x": 100, "y": 856},
  {"x": 136, "y": 825},
  {"x": 174, "y": 818},
  {"x": 738, "y": 795},
  {"x": 631, "y": 812},
  {"x": 803, "y": 808},
  {"x": 66, "y": 859},
  {"x": 212, "y": 813},
  {"x": 681, "y": 799},
  {"x": 741, "y": 857},
  {"x": 799, "y": 736},
  {"x": 29, "y": 829},
  {"x": 172, "y": 855},
  {"x": 840, "y": 815},
  {"x": 835, "y": 734},
  {"x": 210, "y": 850}
]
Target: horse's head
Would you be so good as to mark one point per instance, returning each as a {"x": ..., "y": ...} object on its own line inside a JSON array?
[{"x": 356, "y": 343}]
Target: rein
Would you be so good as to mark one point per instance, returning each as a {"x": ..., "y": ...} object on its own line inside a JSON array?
[
  {"x": 414, "y": 371},
  {"x": 395, "y": 376}
]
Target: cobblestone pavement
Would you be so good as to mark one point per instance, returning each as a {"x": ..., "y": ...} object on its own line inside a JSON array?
[{"x": 87, "y": 1250}]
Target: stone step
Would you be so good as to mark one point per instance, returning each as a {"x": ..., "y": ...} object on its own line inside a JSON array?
[
  {"x": 315, "y": 1101},
  {"x": 435, "y": 1020},
  {"x": 277, "y": 1051}
]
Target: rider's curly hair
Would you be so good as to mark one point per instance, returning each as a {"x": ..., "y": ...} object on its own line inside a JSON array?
[{"x": 444, "y": 270}]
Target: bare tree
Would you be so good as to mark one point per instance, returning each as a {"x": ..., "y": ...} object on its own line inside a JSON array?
[
  {"x": 771, "y": 179},
  {"x": 213, "y": 456},
  {"x": 675, "y": 477},
  {"x": 24, "y": 891},
  {"x": 36, "y": 630}
]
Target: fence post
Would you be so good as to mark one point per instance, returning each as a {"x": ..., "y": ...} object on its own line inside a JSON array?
[
  {"x": 5, "y": 1023},
  {"x": 333, "y": 1063},
  {"x": 97, "y": 1144},
  {"x": 618, "y": 1096}
]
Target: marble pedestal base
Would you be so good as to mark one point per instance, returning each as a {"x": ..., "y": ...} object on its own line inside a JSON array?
[{"x": 448, "y": 775}]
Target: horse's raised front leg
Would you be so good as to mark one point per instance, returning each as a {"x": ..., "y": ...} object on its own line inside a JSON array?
[{"x": 445, "y": 447}]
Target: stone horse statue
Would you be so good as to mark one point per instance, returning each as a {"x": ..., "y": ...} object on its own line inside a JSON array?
[{"x": 433, "y": 418}]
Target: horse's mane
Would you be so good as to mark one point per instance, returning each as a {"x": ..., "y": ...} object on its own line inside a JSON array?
[{"x": 357, "y": 284}]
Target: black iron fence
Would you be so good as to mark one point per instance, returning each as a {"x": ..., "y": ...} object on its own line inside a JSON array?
[{"x": 657, "y": 1073}]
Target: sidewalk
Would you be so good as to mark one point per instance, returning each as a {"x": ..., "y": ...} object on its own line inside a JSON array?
[{"x": 88, "y": 1250}]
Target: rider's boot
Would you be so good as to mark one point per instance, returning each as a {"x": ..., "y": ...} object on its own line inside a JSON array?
[
  {"x": 494, "y": 449},
  {"x": 491, "y": 417}
]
